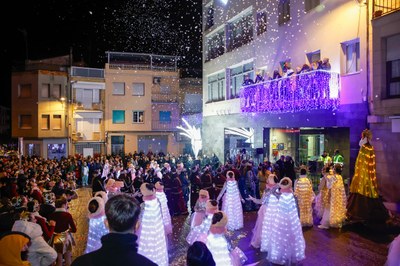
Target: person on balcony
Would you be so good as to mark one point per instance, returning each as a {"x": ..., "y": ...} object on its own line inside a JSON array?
[
  {"x": 325, "y": 65},
  {"x": 247, "y": 80},
  {"x": 259, "y": 77}
]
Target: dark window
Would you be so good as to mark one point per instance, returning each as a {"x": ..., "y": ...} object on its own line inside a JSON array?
[
  {"x": 215, "y": 45},
  {"x": 393, "y": 78},
  {"x": 283, "y": 11},
  {"x": 240, "y": 32},
  {"x": 310, "y": 4},
  {"x": 261, "y": 22},
  {"x": 209, "y": 17}
]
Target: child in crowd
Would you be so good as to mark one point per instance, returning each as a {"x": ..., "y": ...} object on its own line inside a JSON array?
[
  {"x": 97, "y": 227},
  {"x": 200, "y": 208},
  {"x": 152, "y": 241},
  {"x": 304, "y": 193},
  {"x": 232, "y": 202},
  {"x": 270, "y": 187},
  {"x": 166, "y": 216},
  {"x": 287, "y": 241}
]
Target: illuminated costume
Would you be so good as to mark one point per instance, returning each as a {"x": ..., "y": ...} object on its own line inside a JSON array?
[
  {"x": 393, "y": 258},
  {"x": 364, "y": 203},
  {"x": 218, "y": 245},
  {"x": 166, "y": 216},
  {"x": 200, "y": 232},
  {"x": 152, "y": 241},
  {"x": 287, "y": 240},
  {"x": 200, "y": 208},
  {"x": 270, "y": 186},
  {"x": 231, "y": 203},
  {"x": 305, "y": 196},
  {"x": 333, "y": 201},
  {"x": 97, "y": 228}
]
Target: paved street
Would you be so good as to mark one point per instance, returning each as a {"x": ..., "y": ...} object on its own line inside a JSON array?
[{"x": 351, "y": 245}]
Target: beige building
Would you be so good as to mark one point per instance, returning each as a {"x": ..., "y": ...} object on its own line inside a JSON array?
[
  {"x": 39, "y": 107},
  {"x": 142, "y": 103},
  {"x": 87, "y": 111}
]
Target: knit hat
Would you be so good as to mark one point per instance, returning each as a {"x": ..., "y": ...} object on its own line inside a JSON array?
[
  {"x": 286, "y": 180},
  {"x": 271, "y": 179},
  {"x": 204, "y": 193},
  {"x": 211, "y": 206},
  {"x": 230, "y": 175},
  {"x": 147, "y": 189}
]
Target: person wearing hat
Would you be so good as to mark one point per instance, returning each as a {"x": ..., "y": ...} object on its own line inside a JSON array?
[
  {"x": 195, "y": 185},
  {"x": 14, "y": 247},
  {"x": 164, "y": 207},
  {"x": 259, "y": 231},
  {"x": 178, "y": 200},
  {"x": 152, "y": 240},
  {"x": 97, "y": 227},
  {"x": 305, "y": 195},
  {"x": 218, "y": 244},
  {"x": 200, "y": 208},
  {"x": 200, "y": 232},
  {"x": 232, "y": 202},
  {"x": 287, "y": 244}
]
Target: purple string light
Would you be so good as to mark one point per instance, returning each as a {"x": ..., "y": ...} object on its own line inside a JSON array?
[{"x": 318, "y": 89}]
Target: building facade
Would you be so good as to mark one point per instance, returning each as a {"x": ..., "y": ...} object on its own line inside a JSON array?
[
  {"x": 142, "y": 103},
  {"x": 39, "y": 107},
  {"x": 299, "y": 115}
]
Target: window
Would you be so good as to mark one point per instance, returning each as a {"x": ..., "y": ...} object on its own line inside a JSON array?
[
  {"x": 209, "y": 16},
  {"x": 310, "y": 4},
  {"x": 45, "y": 123},
  {"x": 215, "y": 45},
  {"x": 118, "y": 88},
  {"x": 25, "y": 91},
  {"x": 138, "y": 89},
  {"x": 25, "y": 121},
  {"x": 117, "y": 144},
  {"x": 57, "y": 122},
  {"x": 283, "y": 11},
  {"x": 118, "y": 116},
  {"x": 351, "y": 51},
  {"x": 237, "y": 77},
  {"x": 240, "y": 31},
  {"x": 45, "y": 91},
  {"x": 138, "y": 116},
  {"x": 56, "y": 91},
  {"x": 87, "y": 96},
  {"x": 165, "y": 116},
  {"x": 393, "y": 66},
  {"x": 261, "y": 22},
  {"x": 314, "y": 56},
  {"x": 216, "y": 87}
]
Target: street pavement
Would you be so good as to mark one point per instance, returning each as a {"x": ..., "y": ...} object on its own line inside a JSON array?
[{"x": 351, "y": 245}]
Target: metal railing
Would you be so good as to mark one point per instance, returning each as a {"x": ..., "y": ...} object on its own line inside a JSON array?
[
  {"x": 164, "y": 98},
  {"x": 165, "y": 125},
  {"x": 312, "y": 90},
  {"x": 383, "y": 7},
  {"x": 87, "y": 72}
]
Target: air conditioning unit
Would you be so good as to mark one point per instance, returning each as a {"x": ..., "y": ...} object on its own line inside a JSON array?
[{"x": 156, "y": 80}]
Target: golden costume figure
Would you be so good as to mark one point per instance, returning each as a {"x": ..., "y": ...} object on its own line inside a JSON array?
[
  {"x": 364, "y": 203},
  {"x": 305, "y": 196}
]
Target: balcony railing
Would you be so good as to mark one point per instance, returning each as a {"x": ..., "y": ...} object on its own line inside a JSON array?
[
  {"x": 165, "y": 125},
  {"x": 87, "y": 72},
  {"x": 313, "y": 90},
  {"x": 382, "y": 7},
  {"x": 164, "y": 98}
]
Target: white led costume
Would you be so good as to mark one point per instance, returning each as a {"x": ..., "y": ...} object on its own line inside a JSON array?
[
  {"x": 287, "y": 240},
  {"x": 269, "y": 220},
  {"x": 200, "y": 232},
  {"x": 97, "y": 228},
  {"x": 152, "y": 241},
  {"x": 305, "y": 196},
  {"x": 166, "y": 216},
  {"x": 231, "y": 204},
  {"x": 219, "y": 248}
]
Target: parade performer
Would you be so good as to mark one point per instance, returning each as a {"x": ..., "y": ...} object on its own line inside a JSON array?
[
  {"x": 232, "y": 202},
  {"x": 270, "y": 187},
  {"x": 152, "y": 241},
  {"x": 200, "y": 232},
  {"x": 333, "y": 200},
  {"x": 364, "y": 204},
  {"x": 97, "y": 228},
  {"x": 305, "y": 195},
  {"x": 164, "y": 207},
  {"x": 200, "y": 208},
  {"x": 220, "y": 248},
  {"x": 287, "y": 240}
]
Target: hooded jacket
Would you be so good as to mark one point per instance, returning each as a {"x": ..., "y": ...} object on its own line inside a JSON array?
[{"x": 11, "y": 245}]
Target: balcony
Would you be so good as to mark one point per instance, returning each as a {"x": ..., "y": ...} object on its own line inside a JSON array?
[
  {"x": 165, "y": 126},
  {"x": 87, "y": 72},
  {"x": 164, "y": 97},
  {"x": 383, "y": 7},
  {"x": 313, "y": 90},
  {"x": 138, "y": 61}
]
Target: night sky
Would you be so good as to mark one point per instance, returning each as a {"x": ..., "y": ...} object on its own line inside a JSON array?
[{"x": 48, "y": 28}]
